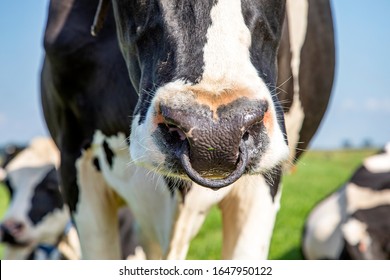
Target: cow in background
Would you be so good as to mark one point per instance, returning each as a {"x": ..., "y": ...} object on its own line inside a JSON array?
[
  {"x": 30, "y": 229},
  {"x": 354, "y": 221},
  {"x": 37, "y": 223}
]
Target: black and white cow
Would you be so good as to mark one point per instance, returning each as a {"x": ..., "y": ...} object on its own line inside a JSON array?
[
  {"x": 353, "y": 222},
  {"x": 200, "y": 121},
  {"x": 33, "y": 201},
  {"x": 37, "y": 223}
]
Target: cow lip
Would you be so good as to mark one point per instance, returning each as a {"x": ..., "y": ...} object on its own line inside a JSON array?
[{"x": 209, "y": 182}]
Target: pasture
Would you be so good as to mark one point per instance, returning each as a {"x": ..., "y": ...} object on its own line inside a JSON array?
[{"x": 317, "y": 174}]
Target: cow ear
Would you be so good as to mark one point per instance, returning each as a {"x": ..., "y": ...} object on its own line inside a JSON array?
[
  {"x": 100, "y": 16},
  {"x": 3, "y": 174}
]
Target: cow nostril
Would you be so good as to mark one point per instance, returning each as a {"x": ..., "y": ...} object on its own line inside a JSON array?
[
  {"x": 173, "y": 137},
  {"x": 252, "y": 132},
  {"x": 176, "y": 132},
  {"x": 18, "y": 226},
  {"x": 245, "y": 137},
  {"x": 171, "y": 125},
  {"x": 13, "y": 227}
]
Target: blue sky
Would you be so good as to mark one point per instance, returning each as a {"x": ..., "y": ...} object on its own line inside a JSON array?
[{"x": 359, "y": 107}]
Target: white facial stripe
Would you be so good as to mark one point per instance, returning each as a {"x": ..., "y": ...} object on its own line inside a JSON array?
[
  {"x": 228, "y": 64},
  {"x": 226, "y": 53},
  {"x": 297, "y": 11}
]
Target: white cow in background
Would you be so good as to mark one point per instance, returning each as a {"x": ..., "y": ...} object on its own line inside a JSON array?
[
  {"x": 354, "y": 221},
  {"x": 37, "y": 223}
]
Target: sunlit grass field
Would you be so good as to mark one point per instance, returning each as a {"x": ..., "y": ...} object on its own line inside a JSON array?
[{"x": 317, "y": 174}]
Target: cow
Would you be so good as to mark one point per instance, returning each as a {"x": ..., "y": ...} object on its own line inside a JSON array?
[
  {"x": 32, "y": 200},
  {"x": 175, "y": 106},
  {"x": 353, "y": 222},
  {"x": 37, "y": 223}
]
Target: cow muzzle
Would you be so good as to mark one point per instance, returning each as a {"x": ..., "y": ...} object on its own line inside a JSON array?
[
  {"x": 9, "y": 232},
  {"x": 212, "y": 146}
]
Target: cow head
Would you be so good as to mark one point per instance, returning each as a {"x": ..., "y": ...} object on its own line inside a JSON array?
[
  {"x": 37, "y": 214},
  {"x": 205, "y": 72}
]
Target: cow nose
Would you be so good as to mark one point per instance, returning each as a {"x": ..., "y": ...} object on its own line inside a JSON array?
[
  {"x": 10, "y": 230},
  {"x": 212, "y": 145}
]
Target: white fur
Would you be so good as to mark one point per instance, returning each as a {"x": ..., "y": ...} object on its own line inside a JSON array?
[
  {"x": 360, "y": 198},
  {"x": 226, "y": 53},
  {"x": 323, "y": 237},
  {"x": 96, "y": 212},
  {"x": 379, "y": 163},
  {"x": 355, "y": 232},
  {"x": 143, "y": 150}
]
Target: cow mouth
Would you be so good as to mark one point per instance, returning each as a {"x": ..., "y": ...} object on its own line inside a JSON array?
[{"x": 214, "y": 183}]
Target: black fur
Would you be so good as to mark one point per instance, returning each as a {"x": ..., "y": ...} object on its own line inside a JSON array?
[
  {"x": 108, "y": 152},
  {"x": 46, "y": 198}
]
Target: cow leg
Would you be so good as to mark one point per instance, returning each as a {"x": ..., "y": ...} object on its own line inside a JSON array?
[
  {"x": 96, "y": 212},
  {"x": 192, "y": 214},
  {"x": 248, "y": 216}
]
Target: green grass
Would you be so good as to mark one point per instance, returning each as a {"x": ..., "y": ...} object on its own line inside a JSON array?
[
  {"x": 317, "y": 174},
  {"x": 4, "y": 198}
]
